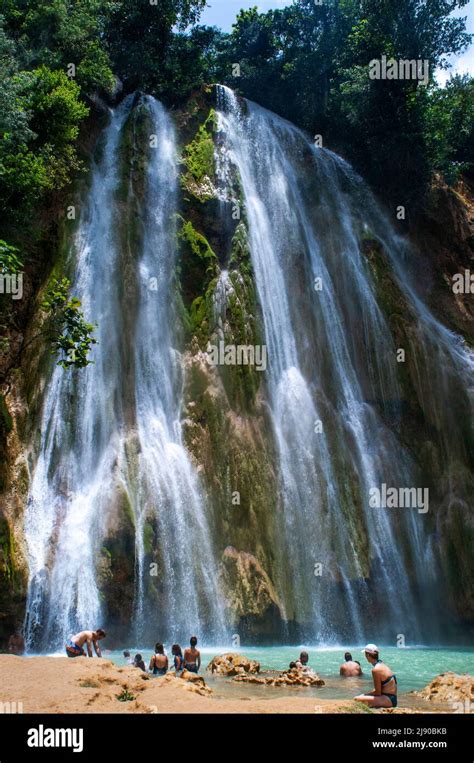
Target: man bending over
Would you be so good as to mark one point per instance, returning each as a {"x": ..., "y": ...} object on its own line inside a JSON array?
[{"x": 75, "y": 645}]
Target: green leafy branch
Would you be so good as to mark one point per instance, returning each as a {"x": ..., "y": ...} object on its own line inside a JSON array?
[
  {"x": 10, "y": 262},
  {"x": 65, "y": 328},
  {"x": 70, "y": 335}
]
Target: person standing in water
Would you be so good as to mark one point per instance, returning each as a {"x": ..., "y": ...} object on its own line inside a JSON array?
[
  {"x": 75, "y": 645},
  {"x": 350, "y": 668},
  {"x": 192, "y": 656},
  {"x": 302, "y": 663},
  {"x": 385, "y": 681},
  {"x": 159, "y": 661},
  {"x": 178, "y": 658}
]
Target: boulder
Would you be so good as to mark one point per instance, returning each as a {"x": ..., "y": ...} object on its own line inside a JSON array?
[
  {"x": 451, "y": 688},
  {"x": 231, "y": 664}
]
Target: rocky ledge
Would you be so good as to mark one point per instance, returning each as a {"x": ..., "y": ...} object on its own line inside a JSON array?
[
  {"x": 292, "y": 677},
  {"x": 451, "y": 688}
]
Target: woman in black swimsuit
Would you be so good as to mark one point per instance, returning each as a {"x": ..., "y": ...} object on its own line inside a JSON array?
[
  {"x": 178, "y": 658},
  {"x": 159, "y": 661},
  {"x": 385, "y": 682}
]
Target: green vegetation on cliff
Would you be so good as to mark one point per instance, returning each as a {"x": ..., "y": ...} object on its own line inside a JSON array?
[
  {"x": 197, "y": 268},
  {"x": 198, "y": 158}
]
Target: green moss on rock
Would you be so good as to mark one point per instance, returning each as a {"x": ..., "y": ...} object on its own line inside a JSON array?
[
  {"x": 148, "y": 538},
  {"x": 198, "y": 160},
  {"x": 197, "y": 270}
]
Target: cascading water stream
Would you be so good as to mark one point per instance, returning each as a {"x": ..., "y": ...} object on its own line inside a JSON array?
[
  {"x": 106, "y": 441},
  {"x": 68, "y": 491},
  {"x": 332, "y": 359},
  {"x": 169, "y": 488}
]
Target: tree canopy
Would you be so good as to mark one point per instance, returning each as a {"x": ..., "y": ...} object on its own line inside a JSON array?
[{"x": 308, "y": 62}]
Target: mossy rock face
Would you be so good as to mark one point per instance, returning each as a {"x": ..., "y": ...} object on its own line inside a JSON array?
[
  {"x": 149, "y": 537},
  {"x": 12, "y": 585},
  {"x": 7, "y": 553},
  {"x": 134, "y": 151},
  {"x": 247, "y": 587},
  {"x": 237, "y": 322},
  {"x": 220, "y": 306},
  {"x": 197, "y": 269},
  {"x": 440, "y": 453},
  {"x": 240, "y": 256},
  {"x": 225, "y": 426},
  {"x": 456, "y": 542},
  {"x": 235, "y": 456},
  {"x": 6, "y": 425},
  {"x": 198, "y": 160},
  {"x": 116, "y": 566}
]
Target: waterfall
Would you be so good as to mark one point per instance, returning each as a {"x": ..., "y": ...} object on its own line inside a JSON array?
[
  {"x": 334, "y": 382},
  {"x": 110, "y": 433},
  {"x": 111, "y": 481}
]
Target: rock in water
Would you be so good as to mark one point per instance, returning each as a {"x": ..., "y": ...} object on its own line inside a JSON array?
[
  {"x": 449, "y": 687},
  {"x": 231, "y": 664},
  {"x": 292, "y": 677}
]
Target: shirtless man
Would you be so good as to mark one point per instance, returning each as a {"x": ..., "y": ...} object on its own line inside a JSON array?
[
  {"x": 192, "y": 656},
  {"x": 350, "y": 668},
  {"x": 74, "y": 647}
]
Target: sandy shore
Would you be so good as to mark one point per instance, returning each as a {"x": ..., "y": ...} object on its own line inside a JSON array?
[{"x": 61, "y": 685}]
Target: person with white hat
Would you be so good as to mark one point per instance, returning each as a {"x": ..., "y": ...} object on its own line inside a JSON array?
[{"x": 385, "y": 682}]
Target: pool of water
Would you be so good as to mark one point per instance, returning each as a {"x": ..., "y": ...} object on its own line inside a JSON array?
[{"x": 415, "y": 667}]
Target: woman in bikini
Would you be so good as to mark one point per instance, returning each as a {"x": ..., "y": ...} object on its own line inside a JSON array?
[
  {"x": 178, "y": 658},
  {"x": 385, "y": 682},
  {"x": 159, "y": 661}
]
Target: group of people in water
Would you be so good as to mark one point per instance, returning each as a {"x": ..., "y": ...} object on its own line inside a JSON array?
[
  {"x": 384, "y": 693},
  {"x": 159, "y": 663}
]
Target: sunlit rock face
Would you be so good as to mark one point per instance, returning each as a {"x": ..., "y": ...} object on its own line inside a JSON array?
[{"x": 213, "y": 471}]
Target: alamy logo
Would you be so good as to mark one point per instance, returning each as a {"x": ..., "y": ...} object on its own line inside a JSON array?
[
  {"x": 11, "y": 707},
  {"x": 399, "y": 498},
  {"x": 238, "y": 355},
  {"x": 463, "y": 706},
  {"x": 463, "y": 283},
  {"x": 415, "y": 69},
  {"x": 44, "y": 737},
  {"x": 12, "y": 283}
]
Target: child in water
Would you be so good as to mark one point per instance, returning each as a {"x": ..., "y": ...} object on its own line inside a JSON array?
[{"x": 138, "y": 662}]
